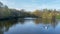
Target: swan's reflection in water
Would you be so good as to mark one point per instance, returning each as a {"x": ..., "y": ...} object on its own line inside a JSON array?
[{"x": 46, "y": 22}]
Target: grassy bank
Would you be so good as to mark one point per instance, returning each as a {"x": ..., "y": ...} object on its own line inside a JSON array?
[{"x": 58, "y": 17}]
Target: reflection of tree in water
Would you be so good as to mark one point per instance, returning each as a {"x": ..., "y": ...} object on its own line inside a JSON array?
[
  {"x": 37, "y": 21},
  {"x": 46, "y": 22},
  {"x": 5, "y": 25}
]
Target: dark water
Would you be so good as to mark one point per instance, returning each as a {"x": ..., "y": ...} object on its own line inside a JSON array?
[{"x": 30, "y": 26}]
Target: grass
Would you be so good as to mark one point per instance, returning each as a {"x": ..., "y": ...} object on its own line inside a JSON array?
[{"x": 58, "y": 17}]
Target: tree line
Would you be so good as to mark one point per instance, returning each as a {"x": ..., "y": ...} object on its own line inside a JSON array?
[{"x": 5, "y": 11}]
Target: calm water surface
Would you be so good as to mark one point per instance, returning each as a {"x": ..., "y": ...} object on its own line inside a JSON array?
[{"x": 30, "y": 26}]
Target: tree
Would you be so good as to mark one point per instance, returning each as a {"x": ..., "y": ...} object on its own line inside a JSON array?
[
  {"x": 37, "y": 13},
  {"x": 1, "y": 4}
]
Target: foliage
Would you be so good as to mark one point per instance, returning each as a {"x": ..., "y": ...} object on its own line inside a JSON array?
[{"x": 5, "y": 11}]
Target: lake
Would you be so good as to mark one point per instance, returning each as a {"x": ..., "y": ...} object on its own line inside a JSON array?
[{"x": 30, "y": 26}]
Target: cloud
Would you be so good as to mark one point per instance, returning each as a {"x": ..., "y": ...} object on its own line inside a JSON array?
[
  {"x": 32, "y": 4},
  {"x": 8, "y": 3},
  {"x": 3, "y": 1}
]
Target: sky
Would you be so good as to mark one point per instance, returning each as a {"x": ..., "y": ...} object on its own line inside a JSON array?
[{"x": 32, "y": 4}]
